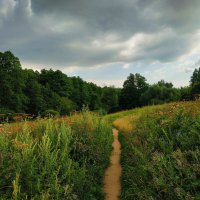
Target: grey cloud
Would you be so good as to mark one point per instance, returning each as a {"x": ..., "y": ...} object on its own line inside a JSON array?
[
  {"x": 189, "y": 70},
  {"x": 126, "y": 15},
  {"x": 113, "y": 15},
  {"x": 197, "y": 64},
  {"x": 61, "y": 32}
]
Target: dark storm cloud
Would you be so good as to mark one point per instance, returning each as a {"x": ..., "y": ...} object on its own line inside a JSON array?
[
  {"x": 96, "y": 32},
  {"x": 127, "y": 15}
]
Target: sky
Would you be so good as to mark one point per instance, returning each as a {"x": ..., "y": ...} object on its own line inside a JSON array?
[{"x": 103, "y": 41}]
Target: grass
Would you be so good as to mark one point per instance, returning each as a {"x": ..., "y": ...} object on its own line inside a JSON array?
[
  {"x": 124, "y": 120},
  {"x": 55, "y": 158},
  {"x": 65, "y": 158},
  {"x": 160, "y": 152}
]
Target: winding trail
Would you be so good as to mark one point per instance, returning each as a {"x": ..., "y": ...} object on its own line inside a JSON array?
[{"x": 112, "y": 185}]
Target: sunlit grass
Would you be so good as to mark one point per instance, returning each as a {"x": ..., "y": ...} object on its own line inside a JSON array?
[
  {"x": 125, "y": 120},
  {"x": 161, "y": 152}
]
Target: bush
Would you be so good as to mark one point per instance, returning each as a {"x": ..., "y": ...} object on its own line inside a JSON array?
[
  {"x": 50, "y": 113},
  {"x": 101, "y": 112},
  {"x": 66, "y": 106},
  {"x": 8, "y": 115}
]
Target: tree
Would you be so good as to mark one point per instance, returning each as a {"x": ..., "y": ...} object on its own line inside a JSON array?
[
  {"x": 162, "y": 83},
  {"x": 195, "y": 78},
  {"x": 51, "y": 99},
  {"x": 185, "y": 93},
  {"x": 58, "y": 82},
  {"x": 195, "y": 83},
  {"x": 75, "y": 96},
  {"x": 132, "y": 90},
  {"x": 11, "y": 83},
  {"x": 160, "y": 93},
  {"x": 84, "y": 93},
  {"x": 110, "y": 99},
  {"x": 25, "y": 90},
  {"x": 95, "y": 96},
  {"x": 66, "y": 106},
  {"x": 95, "y": 102},
  {"x": 33, "y": 91}
]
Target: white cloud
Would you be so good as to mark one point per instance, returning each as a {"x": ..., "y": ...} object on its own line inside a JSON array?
[
  {"x": 106, "y": 82},
  {"x": 126, "y": 66},
  {"x": 189, "y": 70}
]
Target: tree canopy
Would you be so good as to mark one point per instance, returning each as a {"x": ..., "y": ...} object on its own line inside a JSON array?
[
  {"x": 132, "y": 90},
  {"x": 195, "y": 83}
]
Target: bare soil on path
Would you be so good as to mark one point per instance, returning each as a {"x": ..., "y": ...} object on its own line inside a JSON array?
[{"x": 112, "y": 185}]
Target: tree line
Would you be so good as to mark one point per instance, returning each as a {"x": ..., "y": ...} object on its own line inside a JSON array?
[{"x": 37, "y": 93}]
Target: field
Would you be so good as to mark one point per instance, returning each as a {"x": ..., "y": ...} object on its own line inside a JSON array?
[
  {"x": 160, "y": 151},
  {"x": 66, "y": 158},
  {"x": 55, "y": 158}
]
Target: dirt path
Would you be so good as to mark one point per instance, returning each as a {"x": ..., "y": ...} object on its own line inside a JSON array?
[{"x": 112, "y": 185}]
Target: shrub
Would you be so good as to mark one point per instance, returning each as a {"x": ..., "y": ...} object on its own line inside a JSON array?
[
  {"x": 66, "y": 106},
  {"x": 50, "y": 113},
  {"x": 8, "y": 115}
]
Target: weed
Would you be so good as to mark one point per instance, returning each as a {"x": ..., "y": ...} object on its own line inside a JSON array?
[{"x": 55, "y": 159}]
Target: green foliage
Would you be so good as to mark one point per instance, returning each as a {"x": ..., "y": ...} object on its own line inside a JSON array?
[
  {"x": 161, "y": 157},
  {"x": 110, "y": 99},
  {"x": 159, "y": 93},
  {"x": 50, "y": 113},
  {"x": 11, "y": 83},
  {"x": 66, "y": 106},
  {"x": 56, "y": 160},
  {"x": 195, "y": 78},
  {"x": 133, "y": 88},
  {"x": 57, "y": 81},
  {"x": 5, "y": 111},
  {"x": 195, "y": 83},
  {"x": 185, "y": 93},
  {"x": 162, "y": 83},
  {"x": 195, "y": 90},
  {"x": 33, "y": 92}
]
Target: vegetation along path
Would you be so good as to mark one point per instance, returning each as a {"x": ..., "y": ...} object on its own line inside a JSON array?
[{"x": 112, "y": 185}]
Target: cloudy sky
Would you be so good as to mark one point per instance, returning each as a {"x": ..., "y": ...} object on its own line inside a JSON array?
[{"x": 103, "y": 41}]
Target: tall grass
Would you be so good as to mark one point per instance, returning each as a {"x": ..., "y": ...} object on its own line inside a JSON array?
[
  {"x": 161, "y": 154},
  {"x": 55, "y": 159}
]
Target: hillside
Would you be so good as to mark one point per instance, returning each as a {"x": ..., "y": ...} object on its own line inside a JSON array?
[{"x": 160, "y": 151}]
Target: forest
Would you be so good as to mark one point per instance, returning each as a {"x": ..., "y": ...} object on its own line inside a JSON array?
[{"x": 49, "y": 91}]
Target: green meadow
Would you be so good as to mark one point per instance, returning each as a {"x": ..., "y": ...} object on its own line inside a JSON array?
[{"x": 160, "y": 151}]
